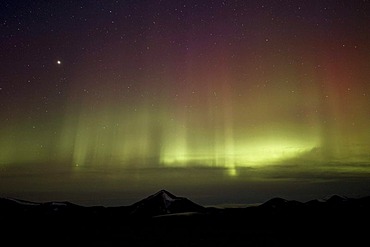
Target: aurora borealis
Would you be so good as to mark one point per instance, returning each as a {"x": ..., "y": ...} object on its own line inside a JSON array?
[{"x": 120, "y": 98}]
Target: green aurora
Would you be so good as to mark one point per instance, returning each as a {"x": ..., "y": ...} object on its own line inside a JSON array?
[{"x": 288, "y": 102}]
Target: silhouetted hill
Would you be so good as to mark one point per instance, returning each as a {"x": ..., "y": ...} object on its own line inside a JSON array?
[
  {"x": 277, "y": 203},
  {"x": 333, "y": 221},
  {"x": 163, "y": 202}
]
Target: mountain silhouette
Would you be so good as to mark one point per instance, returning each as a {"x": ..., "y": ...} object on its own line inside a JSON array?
[
  {"x": 277, "y": 222},
  {"x": 163, "y": 202},
  {"x": 278, "y": 202}
]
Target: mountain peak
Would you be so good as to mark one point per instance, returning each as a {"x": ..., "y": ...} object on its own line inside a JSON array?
[
  {"x": 165, "y": 195},
  {"x": 335, "y": 199},
  {"x": 164, "y": 202},
  {"x": 278, "y": 202}
]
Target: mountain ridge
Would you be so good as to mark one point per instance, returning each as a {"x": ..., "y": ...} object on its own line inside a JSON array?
[
  {"x": 163, "y": 202},
  {"x": 163, "y": 219}
]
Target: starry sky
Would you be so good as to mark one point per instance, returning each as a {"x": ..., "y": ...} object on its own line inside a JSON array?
[{"x": 104, "y": 102}]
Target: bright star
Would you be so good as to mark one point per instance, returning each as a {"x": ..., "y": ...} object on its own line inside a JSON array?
[{"x": 59, "y": 62}]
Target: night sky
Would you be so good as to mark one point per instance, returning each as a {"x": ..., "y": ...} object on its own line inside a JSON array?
[{"x": 105, "y": 102}]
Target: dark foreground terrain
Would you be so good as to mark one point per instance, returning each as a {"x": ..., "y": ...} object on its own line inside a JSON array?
[{"x": 166, "y": 220}]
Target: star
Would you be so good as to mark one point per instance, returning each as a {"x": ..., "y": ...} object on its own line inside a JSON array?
[{"x": 59, "y": 62}]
